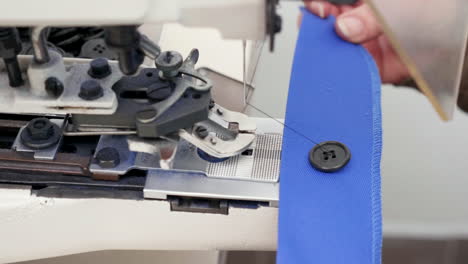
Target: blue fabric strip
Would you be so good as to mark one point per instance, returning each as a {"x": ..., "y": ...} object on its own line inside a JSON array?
[{"x": 334, "y": 94}]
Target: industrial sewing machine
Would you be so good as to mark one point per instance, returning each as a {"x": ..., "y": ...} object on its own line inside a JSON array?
[{"x": 79, "y": 107}]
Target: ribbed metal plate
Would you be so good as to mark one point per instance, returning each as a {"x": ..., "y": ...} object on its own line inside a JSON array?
[{"x": 260, "y": 163}]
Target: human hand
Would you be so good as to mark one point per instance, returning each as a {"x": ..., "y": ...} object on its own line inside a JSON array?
[{"x": 357, "y": 24}]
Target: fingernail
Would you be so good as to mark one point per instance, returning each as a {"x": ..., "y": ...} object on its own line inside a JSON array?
[
  {"x": 350, "y": 27},
  {"x": 317, "y": 8}
]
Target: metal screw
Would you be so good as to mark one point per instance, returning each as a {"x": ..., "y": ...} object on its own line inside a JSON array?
[
  {"x": 90, "y": 90},
  {"x": 40, "y": 133},
  {"x": 108, "y": 157},
  {"x": 211, "y": 104},
  {"x": 40, "y": 128},
  {"x": 147, "y": 115},
  {"x": 201, "y": 132},
  {"x": 99, "y": 68},
  {"x": 213, "y": 141},
  {"x": 159, "y": 91},
  {"x": 219, "y": 111},
  {"x": 169, "y": 63},
  {"x": 53, "y": 87}
]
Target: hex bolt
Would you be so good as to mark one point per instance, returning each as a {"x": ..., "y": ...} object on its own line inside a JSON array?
[
  {"x": 169, "y": 62},
  {"x": 99, "y": 68},
  {"x": 201, "y": 132},
  {"x": 40, "y": 133},
  {"x": 10, "y": 47},
  {"x": 108, "y": 158},
  {"x": 147, "y": 115},
  {"x": 40, "y": 128},
  {"x": 53, "y": 87},
  {"x": 90, "y": 90}
]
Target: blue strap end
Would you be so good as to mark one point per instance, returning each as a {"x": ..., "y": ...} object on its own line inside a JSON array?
[{"x": 334, "y": 95}]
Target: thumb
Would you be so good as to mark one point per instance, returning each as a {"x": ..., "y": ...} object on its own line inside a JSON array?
[{"x": 358, "y": 25}]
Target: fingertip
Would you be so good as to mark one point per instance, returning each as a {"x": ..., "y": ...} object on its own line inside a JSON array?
[
  {"x": 299, "y": 20},
  {"x": 316, "y": 8},
  {"x": 350, "y": 28},
  {"x": 358, "y": 25},
  {"x": 332, "y": 10},
  {"x": 346, "y": 8}
]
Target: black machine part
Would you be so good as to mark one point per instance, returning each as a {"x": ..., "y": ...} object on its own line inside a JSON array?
[
  {"x": 40, "y": 133},
  {"x": 10, "y": 47},
  {"x": 125, "y": 41},
  {"x": 273, "y": 22},
  {"x": 463, "y": 94},
  {"x": 137, "y": 96}
]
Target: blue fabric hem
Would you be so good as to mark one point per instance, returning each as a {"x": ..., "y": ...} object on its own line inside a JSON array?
[
  {"x": 331, "y": 218},
  {"x": 376, "y": 159}
]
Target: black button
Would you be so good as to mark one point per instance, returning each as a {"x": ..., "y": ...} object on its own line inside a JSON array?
[{"x": 329, "y": 156}]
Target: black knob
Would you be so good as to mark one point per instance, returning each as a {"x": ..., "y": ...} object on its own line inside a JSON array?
[
  {"x": 53, "y": 87},
  {"x": 90, "y": 90},
  {"x": 99, "y": 68}
]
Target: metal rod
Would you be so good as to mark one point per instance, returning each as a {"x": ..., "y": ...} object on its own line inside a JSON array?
[
  {"x": 244, "y": 70},
  {"x": 98, "y": 133},
  {"x": 151, "y": 49},
  {"x": 39, "y": 44},
  {"x": 10, "y": 48},
  {"x": 14, "y": 72}
]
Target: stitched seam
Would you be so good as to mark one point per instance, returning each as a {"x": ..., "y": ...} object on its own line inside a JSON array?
[{"x": 376, "y": 203}]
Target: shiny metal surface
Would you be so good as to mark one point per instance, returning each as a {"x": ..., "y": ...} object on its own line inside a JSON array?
[
  {"x": 261, "y": 162},
  {"x": 252, "y": 177},
  {"x": 151, "y": 49},
  {"x": 219, "y": 143},
  {"x": 39, "y": 43},
  {"x": 430, "y": 36},
  {"x": 127, "y": 158},
  {"x": 160, "y": 184},
  {"x": 163, "y": 150}
]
